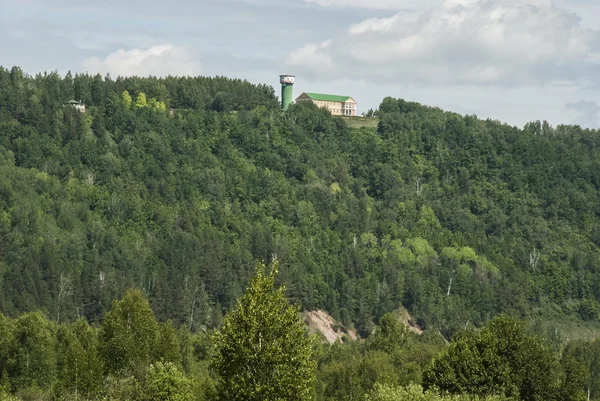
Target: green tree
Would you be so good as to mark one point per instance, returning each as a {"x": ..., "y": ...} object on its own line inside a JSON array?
[
  {"x": 34, "y": 357},
  {"x": 263, "y": 351},
  {"x": 126, "y": 99},
  {"x": 588, "y": 355},
  {"x": 141, "y": 100},
  {"x": 164, "y": 382},
  {"x": 167, "y": 344},
  {"x": 414, "y": 392},
  {"x": 6, "y": 347},
  {"x": 129, "y": 335},
  {"x": 390, "y": 335},
  {"x": 502, "y": 359},
  {"x": 97, "y": 90},
  {"x": 80, "y": 370}
]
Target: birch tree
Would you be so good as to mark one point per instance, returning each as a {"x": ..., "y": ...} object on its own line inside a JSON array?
[{"x": 262, "y": 350}]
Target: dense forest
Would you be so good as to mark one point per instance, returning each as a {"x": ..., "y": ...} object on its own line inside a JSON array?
[
  {"x": 262, "y": 352},
  {"x": 178, "y": 186}
]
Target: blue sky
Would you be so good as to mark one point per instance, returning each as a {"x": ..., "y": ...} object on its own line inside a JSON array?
[{"x": 511, "y": 60}]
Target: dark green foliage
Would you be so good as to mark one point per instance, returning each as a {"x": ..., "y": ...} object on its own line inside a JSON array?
[
  {"x": 587, "y": 354},
  {"x": 32, "y": 355},
  {"x": 80, "y": 369},
  {"x": 131, "y": 339},
  {"x": 130, "y": 356},
  {"x": 501, "y": 359},
  {"x": 455, "y": 218},
  {"x": 393, "y": 356},
  {"x": 391, "y": 334}
]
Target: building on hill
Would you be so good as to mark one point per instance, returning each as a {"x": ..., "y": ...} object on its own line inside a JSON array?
[
  {"x": 78, "y": 105},
  {"x": 337, "y": 105}
]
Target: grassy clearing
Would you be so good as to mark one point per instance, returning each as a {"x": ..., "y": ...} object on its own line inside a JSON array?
[{"x": 359, "y": 122}]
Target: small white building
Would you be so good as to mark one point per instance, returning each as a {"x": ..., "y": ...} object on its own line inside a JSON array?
[{"x": 78, "y": 105}]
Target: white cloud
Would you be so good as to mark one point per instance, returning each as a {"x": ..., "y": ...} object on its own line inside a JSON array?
[
  {"x": 314, "y": 54},
  {"x": 159, "y": 60},
  {"x": 374, "y": 4},
  {"x": 379, "y": 4},
  {"x": 584, "y": 113},
  {"x": 502, "y": 42}
]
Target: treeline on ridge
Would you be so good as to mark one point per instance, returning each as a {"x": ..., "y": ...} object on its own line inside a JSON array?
[{"x": 453, "y": 217}]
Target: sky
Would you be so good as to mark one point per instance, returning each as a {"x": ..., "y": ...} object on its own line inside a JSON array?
[{"x": 509, "y": 60}]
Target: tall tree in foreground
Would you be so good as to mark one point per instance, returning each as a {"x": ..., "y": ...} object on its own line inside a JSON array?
[
  {"x": 262, "y": 350},
  {"x": 502, "y": 359},
  {"x": 128, "y": 335}
]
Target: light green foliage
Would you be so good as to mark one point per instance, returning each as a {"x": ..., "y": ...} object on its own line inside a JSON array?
[
  {"x": 157, "y": 105},
  {"x": 262, "y": 352},
  {"x": 368, "y": 240},
  {"x": 452, "y": 254},
  {"x": 126, "y": 99},
  {"x": 335, "y": 188},
  {"x": 414, "y": 392},
  {"x": 424, "y": 252},
  {"x": 164, "y": 382},
  {"x": 404, "y": 256},
  {"x": 428, "y": 221},
  {"x": 8, "y": 397},
  {"x": 141, "y": 100},
  {"x": 468, "y": 254}
]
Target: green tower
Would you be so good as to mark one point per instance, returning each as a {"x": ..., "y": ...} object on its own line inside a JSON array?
[{"x": 287, "y": 90}]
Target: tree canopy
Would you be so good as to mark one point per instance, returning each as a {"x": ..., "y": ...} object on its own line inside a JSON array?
[
  {"x": 263, "y": 351},
  {"x": 453, "y": 217},
  {"x": 502, "y": 359},
  {"x": 176, "y": 187}
]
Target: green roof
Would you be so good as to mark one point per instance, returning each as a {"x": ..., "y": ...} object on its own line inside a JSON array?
[{"x": 327, "y": 98}]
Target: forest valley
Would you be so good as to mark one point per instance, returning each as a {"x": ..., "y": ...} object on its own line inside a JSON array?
[{"x": 132, "y": 238}]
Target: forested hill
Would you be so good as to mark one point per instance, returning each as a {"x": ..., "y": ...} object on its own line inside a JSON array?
[{"x": 454, "y": 217}]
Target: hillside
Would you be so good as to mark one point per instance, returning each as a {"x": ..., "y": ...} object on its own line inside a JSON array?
[
  {"x": 326, "y": 328},
  {"x": 452, "y": 217}
]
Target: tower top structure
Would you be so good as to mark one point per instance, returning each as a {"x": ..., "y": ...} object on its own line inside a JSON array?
[{"x": 287, "y": 79}]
